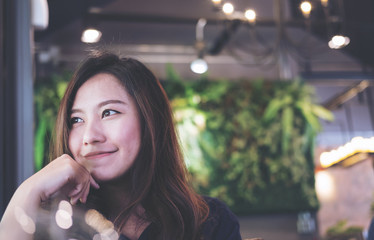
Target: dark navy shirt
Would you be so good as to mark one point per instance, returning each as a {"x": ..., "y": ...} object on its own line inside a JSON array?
[
  {"x": 371, "y": 230},
  {"x": 221, "y": 224}
]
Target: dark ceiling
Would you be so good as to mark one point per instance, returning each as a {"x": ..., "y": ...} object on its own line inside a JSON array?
[
  {"x": 173, "y": 22},
  {"x": 163, "y": 31}
]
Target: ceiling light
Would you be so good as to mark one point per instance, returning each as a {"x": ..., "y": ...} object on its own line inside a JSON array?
[
  {"x": 199, "y": 66},
  {"x": 338, "y": 41},
  {"x": 355, "y": 146},
  {"x": 228, "y": 8},
  {"x": 91, "y": 35},
  {"x": 306, "y": 8},
  {"x": 250, "y": 14}
]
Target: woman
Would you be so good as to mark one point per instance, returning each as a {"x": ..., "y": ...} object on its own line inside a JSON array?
[{"x": 116, "y": 151}]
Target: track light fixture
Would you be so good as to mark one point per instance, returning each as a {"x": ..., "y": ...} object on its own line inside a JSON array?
[
  {"x": 91, "y": 35},
  {"x": 199, "y": 65}
]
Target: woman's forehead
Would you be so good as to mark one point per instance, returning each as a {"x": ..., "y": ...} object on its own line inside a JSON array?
[{"x": 101, "y": 87}]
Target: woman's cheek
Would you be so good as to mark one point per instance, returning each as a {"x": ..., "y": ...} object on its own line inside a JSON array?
[{"x": 74, "y": 143}]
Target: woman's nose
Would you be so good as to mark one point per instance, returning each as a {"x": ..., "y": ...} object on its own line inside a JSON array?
[{"x": 93, "y": 133}]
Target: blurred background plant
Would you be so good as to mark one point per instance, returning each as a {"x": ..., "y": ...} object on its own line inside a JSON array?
[
  {"x": 340, "y": 231},
  {"x": 48, "y": 93},
  {"x": 249, "y": 143}
]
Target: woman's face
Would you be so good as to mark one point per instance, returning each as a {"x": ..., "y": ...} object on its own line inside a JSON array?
[{"x": 105, "y": 132}]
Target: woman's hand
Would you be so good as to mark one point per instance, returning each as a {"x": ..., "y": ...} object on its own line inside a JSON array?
[{"x": 63, "y": 176}]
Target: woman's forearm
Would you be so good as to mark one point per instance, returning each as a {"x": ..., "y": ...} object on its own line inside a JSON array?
[
  {"x": 62, "y": 176},
  {"x": 18, "y": 221}
]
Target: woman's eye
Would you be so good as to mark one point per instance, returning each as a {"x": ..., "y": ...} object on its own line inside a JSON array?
[
  {"x": 74, "y": 120},
  {"x": 108, "y": 113}
]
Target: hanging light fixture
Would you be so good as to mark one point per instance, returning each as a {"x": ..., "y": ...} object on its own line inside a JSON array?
[
  {"x": 338, "y": 41},
  {"x": 91, "y": 35},
  {"x": 199, "y": 65},
  {"x": 306, "y": 8}
]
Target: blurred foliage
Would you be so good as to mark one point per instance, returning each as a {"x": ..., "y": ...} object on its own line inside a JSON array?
[
  {"x": 340, "y": 231},
  {"x": 48, "y": 93},
  {"x": 249, "y": 143}
]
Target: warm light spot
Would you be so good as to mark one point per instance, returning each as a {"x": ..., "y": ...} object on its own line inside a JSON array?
[
  {"x": 356, "y": 145},
  {"x": 104, "y": 227},
  {"x": 228, "y": 8},
  {"x": 250, "y": 14},
  {"x": 325, "y": 186},
  {"x": 65, "y": 205},
  {"x": 27, "y": 224},
  {"x": 306, "y": 8},
  {"x": 63, "y": 219}
]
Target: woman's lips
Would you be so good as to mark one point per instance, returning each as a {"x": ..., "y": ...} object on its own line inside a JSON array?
[{"x": 98, "y": 154}]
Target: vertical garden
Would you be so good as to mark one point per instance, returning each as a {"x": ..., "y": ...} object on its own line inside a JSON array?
[{"x": 249, "y": 143}]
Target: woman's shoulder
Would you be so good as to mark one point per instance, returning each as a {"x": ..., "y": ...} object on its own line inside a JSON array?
[{"x": 221, "y": 222}]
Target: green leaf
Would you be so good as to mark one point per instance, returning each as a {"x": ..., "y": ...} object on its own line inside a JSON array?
[
  {"x": 39, "y": 144},
  {"x": 308, "y": 115},
  {"x": 322, "y": 112},
  {"x": 275, "y": 106},
  {"x": 287, "y": 120},
  {"x": 61, "y": 87},
  {"x": 271, "y": 111}
]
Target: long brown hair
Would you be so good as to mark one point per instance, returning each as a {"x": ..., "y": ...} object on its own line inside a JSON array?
[{"x": 158, "y": 177}]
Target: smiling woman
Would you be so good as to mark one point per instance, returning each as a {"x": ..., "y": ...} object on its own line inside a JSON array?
[{"x": 116, "y": 151}]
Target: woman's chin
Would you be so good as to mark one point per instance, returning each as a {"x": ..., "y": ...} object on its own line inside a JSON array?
[{"x": 101, "y": 177}]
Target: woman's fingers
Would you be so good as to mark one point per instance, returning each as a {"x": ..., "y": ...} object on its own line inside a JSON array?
[
  {"x": 86, "y": 191},
  {"x": 80, "y": 194},
  {"x": 68, "y": 177},
  {"x": 94, "y": 183}
]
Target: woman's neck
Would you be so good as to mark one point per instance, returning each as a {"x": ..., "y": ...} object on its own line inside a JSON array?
[
  {"x": 114, "y": 200},
  {"x": 135, "y": 225}
]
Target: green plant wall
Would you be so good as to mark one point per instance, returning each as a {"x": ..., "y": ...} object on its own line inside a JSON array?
[{"x": 249, "y": 143}]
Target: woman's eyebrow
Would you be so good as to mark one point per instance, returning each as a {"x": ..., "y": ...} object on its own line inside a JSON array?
[
  {"x": 75, "y": 111},
  {"x": 101, "y": 105},
  {"x": 112, "y": 102}
]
